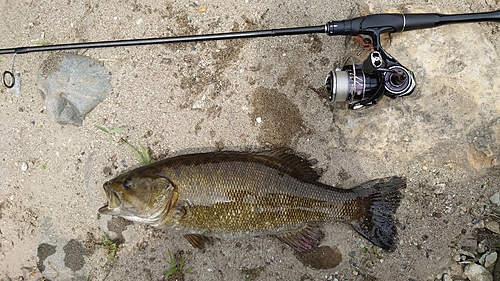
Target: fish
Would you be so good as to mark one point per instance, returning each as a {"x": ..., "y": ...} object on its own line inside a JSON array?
[{"x": 229, "y": 194}]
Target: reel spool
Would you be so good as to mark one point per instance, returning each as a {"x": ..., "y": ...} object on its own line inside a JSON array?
[{"x": 362, "y": 85}]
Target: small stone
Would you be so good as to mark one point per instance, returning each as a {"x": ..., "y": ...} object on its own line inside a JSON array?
[
  {"x": 479, "y": 224},
  {"x": 493, "y": 226},
  {"x": 490, "y": 259},
  {"x": 446, "y": 277},
  {"x": 466, "y": 253},
  {"x": 476, "y": 272},
  {"x": 456, "y": 269},
  {"x": 24, "y": 166},
  {"x": 482, "y": 247},
  {"x": 440, "y": 188},
  {"x": 259, "y": 120},
  {"x": 495, "y": 198}
]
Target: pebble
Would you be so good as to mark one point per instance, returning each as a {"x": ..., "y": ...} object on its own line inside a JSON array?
[
  {"x": 476, "y": 272},
  {"x": 490, "y": 259},
  {"x": 493, "y": 226},
  {"x": 495, "y": 198},
  {"x": 24, "y": 166},
  {"x": 479, "y": 224},
  {"x": 482, "y": 247},
  {"x": 447, "y": 277},
  {"x": 440, "y": 188}
]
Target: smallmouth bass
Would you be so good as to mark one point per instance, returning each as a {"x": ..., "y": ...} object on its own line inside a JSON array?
[{"x": 227, "y": 194}]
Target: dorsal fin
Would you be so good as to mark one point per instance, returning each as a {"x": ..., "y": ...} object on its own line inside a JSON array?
[{"x": 293, "y": 163}]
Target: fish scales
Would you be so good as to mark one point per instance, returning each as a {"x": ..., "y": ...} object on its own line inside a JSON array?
[
  {"x": 241, "y": 194},
  {"x": 225, "y": 194}
]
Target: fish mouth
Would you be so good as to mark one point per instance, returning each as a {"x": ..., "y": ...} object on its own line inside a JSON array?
[{"x": 114, "y": 202}]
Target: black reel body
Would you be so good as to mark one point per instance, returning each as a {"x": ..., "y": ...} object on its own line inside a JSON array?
[{"x": 362, "y": 85}]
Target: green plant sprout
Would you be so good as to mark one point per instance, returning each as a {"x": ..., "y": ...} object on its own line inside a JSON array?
[
  {"x": 110, "y": 245},
  {"x": 109, "y": 132},
  {"x": 176, "y": 266},
  {"x": 142, "y": 154}
]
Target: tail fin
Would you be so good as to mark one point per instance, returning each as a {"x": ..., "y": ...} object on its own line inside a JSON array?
[{"x": 380, "y": 199}]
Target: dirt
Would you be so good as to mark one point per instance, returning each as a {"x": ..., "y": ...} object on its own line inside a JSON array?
[{"x": 248, "y": 94}]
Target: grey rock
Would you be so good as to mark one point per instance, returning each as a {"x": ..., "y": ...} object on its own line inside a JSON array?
[
  {"x": 476, "y": 272},
  {"x": 482, "y": 247},
  {"x": 493, "y": 226},
  {"x": 496, "y": 270},
  {"x": 446, "y": 277},
  {"x": 60, "y": 258},
  {"x": 490, "y": 259},
  {"x": 495, "y": 198},
  {"x": 72, "y": 86},
  {"x": 466, "y": 253}
]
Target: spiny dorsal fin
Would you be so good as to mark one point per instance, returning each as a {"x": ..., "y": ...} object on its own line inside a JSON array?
[
  {"x": 197, "y": 240},
  {"x": 302, "y": 239},
  {"x": 297, "y": 165}
]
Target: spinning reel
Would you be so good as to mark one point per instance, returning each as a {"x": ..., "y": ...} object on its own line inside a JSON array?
[{"x": 360, "y": 85}]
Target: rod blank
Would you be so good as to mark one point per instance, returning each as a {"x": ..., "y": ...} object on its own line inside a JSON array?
[{"x": 166, "y": 40}]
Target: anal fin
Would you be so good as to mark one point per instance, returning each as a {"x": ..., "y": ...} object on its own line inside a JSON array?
[
  {"x": 197, "y": 240},
  {"x": 302, "y": 239}
]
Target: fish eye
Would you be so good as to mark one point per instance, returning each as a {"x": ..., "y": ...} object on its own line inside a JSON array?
[{"x": 127, "y": 184}]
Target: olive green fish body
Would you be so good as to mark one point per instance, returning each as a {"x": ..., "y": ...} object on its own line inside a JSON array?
[
  {"x": 232, "y": 193},
  {"x": 237, "y": 194}
]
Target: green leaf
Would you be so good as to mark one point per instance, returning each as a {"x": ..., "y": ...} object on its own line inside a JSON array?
[
  {"x": 134, "y": 150},
  {"x": 117, "y": 130},
  {"x": 145, "y": 154},
  {"x": 102, "y": 129},
  {"x": 171, "y": 271},
  {"x": 172, "y": 260}
]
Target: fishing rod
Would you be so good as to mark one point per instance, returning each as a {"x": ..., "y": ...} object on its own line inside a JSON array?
[{"x": 360, "y": 85}]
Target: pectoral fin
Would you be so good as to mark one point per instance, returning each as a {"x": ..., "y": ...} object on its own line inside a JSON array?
[
  {"x": 197, "y": 240},
  {"x": 302, "y": 239}
]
